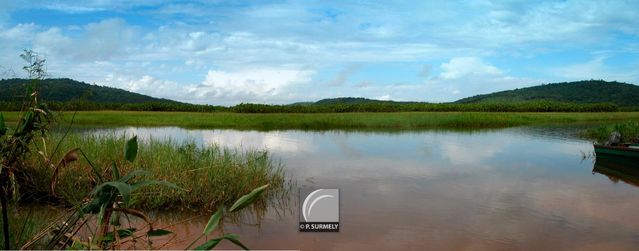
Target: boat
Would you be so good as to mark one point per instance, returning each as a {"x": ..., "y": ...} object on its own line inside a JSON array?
[
  {"x": 623, "y": 150},
  {"x": 619, "y": 162}
]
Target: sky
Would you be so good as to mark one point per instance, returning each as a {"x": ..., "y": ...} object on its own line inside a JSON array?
[{"x": 276, "y": 52}]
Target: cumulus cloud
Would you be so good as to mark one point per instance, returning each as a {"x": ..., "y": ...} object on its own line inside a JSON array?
[
  {"x": 249, "y": 85},
  {"x": 14, "y": 39},
  {"x": 465, "y": 66},
  {"x": 103, "y": 40},
  {"x": 467, "y": 76},
  {"x": 22, "y": 32},
  {"x": 53, "y": 42},
  {"x": 148, "y": 85}
]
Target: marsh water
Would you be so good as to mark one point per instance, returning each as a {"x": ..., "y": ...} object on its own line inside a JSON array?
[{"x": 504, "y": 189}]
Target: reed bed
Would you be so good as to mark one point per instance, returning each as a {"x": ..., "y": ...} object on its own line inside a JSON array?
[
  {"x": 210, "y": 175},
  {"x": 628, "y": 130},
  {"x": 327, "y": 121}
]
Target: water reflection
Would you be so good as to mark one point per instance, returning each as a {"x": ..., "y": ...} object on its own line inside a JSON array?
[
  {"x": 274, "y": 141},
  {"x": 518, "y": 188},
  {"x": 618, "y": 169}
]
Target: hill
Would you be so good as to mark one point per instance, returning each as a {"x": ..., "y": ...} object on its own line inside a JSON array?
[
  {"x": 64, "y": 89},
  {"x": 587, "y": 91},
  {"x": 583, "y": 96}
]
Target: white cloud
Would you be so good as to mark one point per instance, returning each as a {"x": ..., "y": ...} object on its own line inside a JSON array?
[
  {"x": 22, "y": 32},
  {"x": 461, "y": 67},
  {"x": 73, "y": 9},
  {"x": 104, "y": 40},
  {"x": 466, "y": 76},
  {"x": 13, "y": 40},
  {"x": 52, "y": 42},
  {"x": 148, "y": 85},
  {"x": 249, "y": 85},
  {"x": 384, "y": 97}
]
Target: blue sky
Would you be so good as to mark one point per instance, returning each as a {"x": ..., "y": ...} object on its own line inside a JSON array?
[{"x": 225, "y": 53}]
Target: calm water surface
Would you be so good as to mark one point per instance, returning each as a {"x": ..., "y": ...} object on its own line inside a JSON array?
[{"x": 518, "y": 188}]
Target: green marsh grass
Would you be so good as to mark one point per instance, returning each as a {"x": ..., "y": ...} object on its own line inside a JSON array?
[
  {"x": 326, "y": 121},
  {"x": 629, "y": 131},
  {"x": 211, "y": 175}
]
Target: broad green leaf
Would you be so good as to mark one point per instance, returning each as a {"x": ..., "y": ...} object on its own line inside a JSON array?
[
  {"x": 210, "y": 244},
  {"x": 213, "y": 242},
  {"x": 93, "y": 206},
  {"x": 3, "y": 126},
  {"x": 123, "y": 188},
  {"x": 131, "y": 149},
  {"x": 214, "y": 221},
  {"x": 234, "y": 238},
  {"x": 26, "y": 123},
  {"x": 247, "y": 199},
  {"x": 123, "y": 233},
  {"x": 158, "y": 232}
]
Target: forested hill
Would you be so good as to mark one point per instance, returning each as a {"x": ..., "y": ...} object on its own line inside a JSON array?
[
  {"x": 587, "y": 91},
  {"x": 64, "y": 89}
]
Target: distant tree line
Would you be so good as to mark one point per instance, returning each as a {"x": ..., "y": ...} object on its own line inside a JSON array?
[{"x": 532, "y": 106}]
